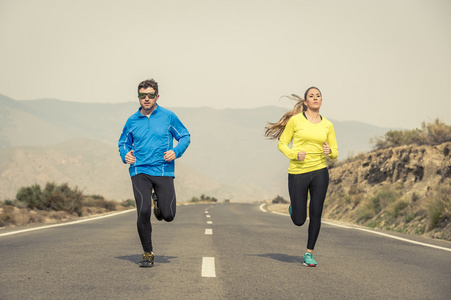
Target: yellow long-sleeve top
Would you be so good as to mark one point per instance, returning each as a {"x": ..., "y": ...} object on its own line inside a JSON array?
[{"x": 307, "y": 137}]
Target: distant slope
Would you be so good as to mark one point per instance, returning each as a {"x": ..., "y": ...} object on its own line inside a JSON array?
[
  {"x": 227, "y": 145},
  {"x": 93, "y": 166}
]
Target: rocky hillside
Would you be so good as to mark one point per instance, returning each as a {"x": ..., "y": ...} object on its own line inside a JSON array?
[{"x": 405, "y": 189}]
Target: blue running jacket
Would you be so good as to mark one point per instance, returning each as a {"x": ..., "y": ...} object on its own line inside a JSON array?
[{"x": 149, "y": 137}]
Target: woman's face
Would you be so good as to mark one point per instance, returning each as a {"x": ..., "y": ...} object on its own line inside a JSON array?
[{"x": 313, "y": 99}]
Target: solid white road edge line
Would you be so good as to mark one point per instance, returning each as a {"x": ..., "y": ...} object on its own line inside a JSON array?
[
  {"x": 208, "y": 267},
  {"x": 368, "y": 230},
  {"x": 68, "y": 223}
]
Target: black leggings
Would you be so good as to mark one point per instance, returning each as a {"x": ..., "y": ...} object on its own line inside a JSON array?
[
  {"x": 163, "y": 186},
  {"x": 298, "y": 186}
]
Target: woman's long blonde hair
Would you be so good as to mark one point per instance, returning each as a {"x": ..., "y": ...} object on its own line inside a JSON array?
[{"x": 274, "y": 130}]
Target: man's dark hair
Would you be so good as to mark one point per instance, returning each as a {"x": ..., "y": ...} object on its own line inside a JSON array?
[{"x": 148, "y": 83}]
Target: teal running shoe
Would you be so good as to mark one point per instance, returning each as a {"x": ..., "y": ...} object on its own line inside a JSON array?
[
  {"x": 309, "y": 260},
  {"x": 290, "y": 209}
]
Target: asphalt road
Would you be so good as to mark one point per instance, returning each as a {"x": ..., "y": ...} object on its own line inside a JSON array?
[{"x": 245, "y": 254}]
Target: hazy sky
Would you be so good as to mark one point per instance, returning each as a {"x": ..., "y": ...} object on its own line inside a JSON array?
[{"x": 384, "y": 62}]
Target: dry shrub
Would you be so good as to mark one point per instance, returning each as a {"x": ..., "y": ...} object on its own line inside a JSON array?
[
  {"x": 37, "y": 216},
  {"x": 21, "y": 217},
  {"x": 6, "y": 215},
  {"x": 58, "y": 215},
  {"x": 99, "y": 201},
  {"x": 87, "y": 211}
]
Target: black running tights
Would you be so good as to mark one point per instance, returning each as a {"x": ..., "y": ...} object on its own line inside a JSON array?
[
  {"x": 163, "y": 186},
  {"x": 299, "y": 185}
]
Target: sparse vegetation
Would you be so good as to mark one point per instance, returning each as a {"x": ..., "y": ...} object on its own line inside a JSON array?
[
  {"x": 203, "y": 198},
  {"x": 438, "y": 206},
  {"x": 395, "y": 207},
  {"x": 52, "y": 204},
  {"x": 279, "y": 199},
  {"x": 433, "y": 133}
]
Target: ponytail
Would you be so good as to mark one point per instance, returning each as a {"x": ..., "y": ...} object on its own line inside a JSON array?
[{"x": 274, "y": 130}]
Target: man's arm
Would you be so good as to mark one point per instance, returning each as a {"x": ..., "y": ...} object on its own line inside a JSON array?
[
  {"x": 181, "y": 134},
  {"x": 125, "y": 143}
]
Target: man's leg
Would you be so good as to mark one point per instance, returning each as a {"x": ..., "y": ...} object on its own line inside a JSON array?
[
  {"x": 142, "y": 189},
  {"x": 165, "y": 191}
]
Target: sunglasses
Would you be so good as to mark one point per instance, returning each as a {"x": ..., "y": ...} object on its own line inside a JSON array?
[{"x": 150, "y": 95}]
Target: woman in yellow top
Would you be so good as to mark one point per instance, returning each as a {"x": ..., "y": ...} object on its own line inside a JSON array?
[{"x": 312, "y": 137}]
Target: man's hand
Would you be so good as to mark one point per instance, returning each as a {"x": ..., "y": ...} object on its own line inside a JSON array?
[
  {"x": 129, "y": 158},
  {"x": 301, "y": 155},
  {"x": 326, "y": 148},
  {"x": 169, "y": 155}
]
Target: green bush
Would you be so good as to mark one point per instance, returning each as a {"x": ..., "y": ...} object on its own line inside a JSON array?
[
  {"x": 386, "y": 196},
  {"x": 53, "y": 197},
  {"x": 366, "y": 211},
  {"x": 31, "y": 196},
  {"x": 382, "y": 198},
  {"x": 396, "y": 207}
]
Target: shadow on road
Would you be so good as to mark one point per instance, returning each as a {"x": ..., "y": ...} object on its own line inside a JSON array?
[
  {"x": 137, "y": 257},
  {"x": 281, "y": 257}
]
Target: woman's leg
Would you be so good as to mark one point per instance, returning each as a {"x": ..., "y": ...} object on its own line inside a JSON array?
[
  {"x": 298, "y": 189},
  {"x": 318, "y": 190}
]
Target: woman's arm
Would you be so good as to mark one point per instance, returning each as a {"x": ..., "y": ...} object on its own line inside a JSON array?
[{"x": 285, "y": 139}]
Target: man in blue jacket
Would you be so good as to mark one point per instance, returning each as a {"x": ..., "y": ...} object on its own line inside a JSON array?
[{"x": 146, "y": 143}]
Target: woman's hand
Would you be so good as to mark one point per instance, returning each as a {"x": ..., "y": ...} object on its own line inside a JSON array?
[
  {"x": 301, "y": 155},
  {"x": 326, "y": 148},
  {"x": 129, "y": 158}
]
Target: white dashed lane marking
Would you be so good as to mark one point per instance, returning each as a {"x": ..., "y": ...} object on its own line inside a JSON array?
[
  {"x": 208, "y": 263},
  {"x": 208, "y": 267}
]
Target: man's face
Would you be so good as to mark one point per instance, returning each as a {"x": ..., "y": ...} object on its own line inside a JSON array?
[{"x": 149, "y": 101}]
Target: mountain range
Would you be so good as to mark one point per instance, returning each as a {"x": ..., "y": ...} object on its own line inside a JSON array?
[{"x": 228, "y": 158}]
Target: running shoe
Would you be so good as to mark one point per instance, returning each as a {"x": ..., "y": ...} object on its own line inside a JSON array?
[
  {"x": 290, "y": 209},
  {"x": 309, "y": 260},
  {"x": 147, "y": 260},
  {"x": 156, "y": 210}
]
